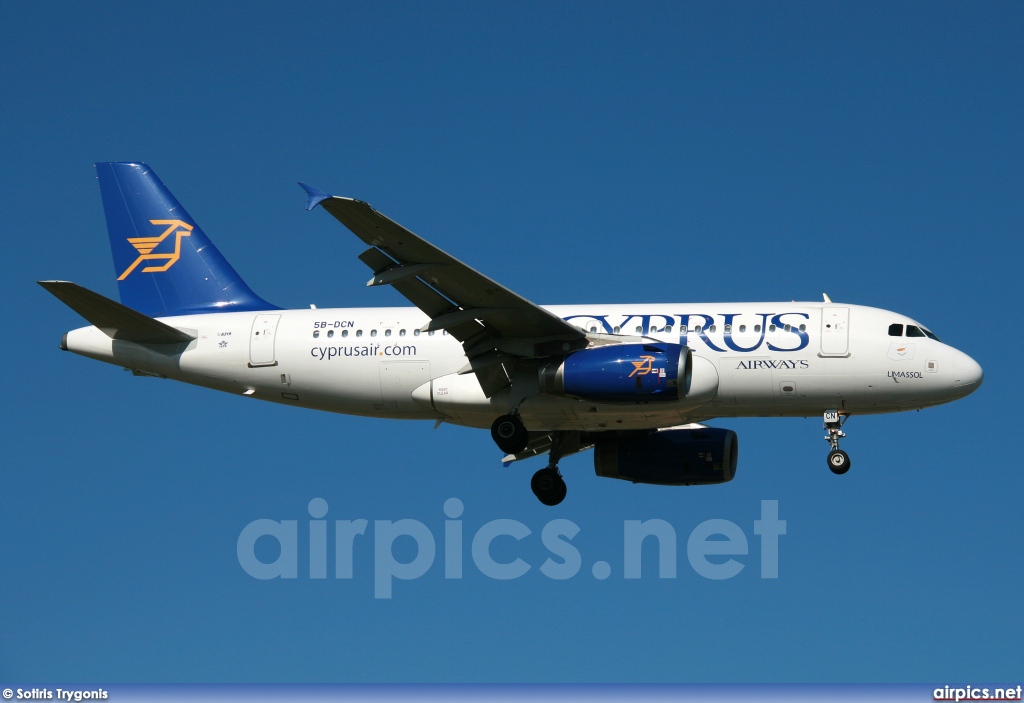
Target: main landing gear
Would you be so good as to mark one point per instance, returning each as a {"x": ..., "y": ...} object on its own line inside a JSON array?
[
  {"x": 838, "y": 460},
  {"x": 509, "y": 433},
  {"x": 511, "y": 436},
  {"x": 547, "y": 484}
]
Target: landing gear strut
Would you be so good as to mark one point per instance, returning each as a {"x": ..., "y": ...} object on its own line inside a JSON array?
[
  {"x": 509, "y": 433},
  {"x": 547, "y": 484},
  {"x": 838, "y": 460}
]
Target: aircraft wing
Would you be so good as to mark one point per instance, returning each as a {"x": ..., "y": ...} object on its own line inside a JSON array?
[{"x": 494, "y": 324}]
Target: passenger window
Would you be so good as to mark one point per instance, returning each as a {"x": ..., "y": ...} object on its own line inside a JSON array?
[
  {"x": 387, "y": 333},
  {"x": 803, "y": 328},
  {"x": 895, "y": 330},
  {"x": 682, "y": 329},
  {"x": 416, "y": 332},
  {"x": 344, "y": 333},
  {"x": 316, "y": 334},
  {"x": 712, "y": 328},
  {"x": 914, "y": 331},
  {"x": 330, "y": 333},
  {"x": 430, "y": 333},
  {"x": 727, "y": 329},
  {"x": 771, "y": 328},
  {"x": 743, "y": 328},
  {"x": 401, "y": 333},
  {"x": 696, "y": 329},
  {"x": 757, "y": 328},
  {"x": 616, "y": 329},
  {"x": 639, "y": 330},
  {"x": 787, "y": 328},
  {"x": 373, "y": 333},
  {"x": 668, "y": 329},
  {"x": 359, "y": 333}
]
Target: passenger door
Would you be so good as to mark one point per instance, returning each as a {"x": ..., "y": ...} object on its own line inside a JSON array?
[
  {"x": 261, "y": 340},
  {"x": 835, "y": 331}
]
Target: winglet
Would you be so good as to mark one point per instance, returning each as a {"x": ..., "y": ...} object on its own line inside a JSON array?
[
  {"x": 827, "y": 299},
  {"x": 316, "y": 196}
]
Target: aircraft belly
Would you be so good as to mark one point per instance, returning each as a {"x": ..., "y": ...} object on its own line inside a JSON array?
[{"x": 552, "y": 413}]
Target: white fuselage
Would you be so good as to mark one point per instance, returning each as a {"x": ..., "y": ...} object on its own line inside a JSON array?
[{"x": 750, "y": 359}]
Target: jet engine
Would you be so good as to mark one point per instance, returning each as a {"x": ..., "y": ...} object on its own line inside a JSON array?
[
  {"x": 689, "y": 457},
  {"x": 621, "y": 373}
]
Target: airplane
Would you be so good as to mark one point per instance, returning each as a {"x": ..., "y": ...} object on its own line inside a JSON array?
[{"x": 635, "y": 383}]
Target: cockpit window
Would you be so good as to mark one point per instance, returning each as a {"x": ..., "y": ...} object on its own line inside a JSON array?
[
  {"x": 895, "y": 330},
  {"x": 928, "y": 333},
  {"x": 914, "y": 331}
]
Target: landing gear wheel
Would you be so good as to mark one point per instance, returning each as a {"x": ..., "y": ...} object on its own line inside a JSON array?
[
  {"x": 509, "y": 434},
  {"x": 548, "y": 486},
  {"x": 838, "y": 461}
]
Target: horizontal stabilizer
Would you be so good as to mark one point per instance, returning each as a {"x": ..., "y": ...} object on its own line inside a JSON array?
[{"x": 115, "y": 320}]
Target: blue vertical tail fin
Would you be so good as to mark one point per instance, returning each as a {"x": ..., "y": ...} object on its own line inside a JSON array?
[{"x": 164, "y": 263}]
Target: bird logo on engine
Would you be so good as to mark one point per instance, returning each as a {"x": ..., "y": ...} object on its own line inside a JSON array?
[{"x": 642, "y": 367}]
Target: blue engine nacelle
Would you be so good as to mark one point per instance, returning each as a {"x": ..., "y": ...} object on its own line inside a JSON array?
[
  {"x": 621, "y": 373},
  {"x": 669, "y": 458}
]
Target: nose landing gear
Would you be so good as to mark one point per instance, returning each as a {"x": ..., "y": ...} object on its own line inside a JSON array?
[{"x": 838, "y": 460}]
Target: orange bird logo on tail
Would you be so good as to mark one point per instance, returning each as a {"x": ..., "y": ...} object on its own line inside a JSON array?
[{"x": 146, "y": 245}]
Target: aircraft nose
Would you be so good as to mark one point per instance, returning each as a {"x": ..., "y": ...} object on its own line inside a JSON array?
[{"x": 967, "y": 374}]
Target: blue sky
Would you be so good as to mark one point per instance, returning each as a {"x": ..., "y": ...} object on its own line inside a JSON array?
[{"x": 598, "y": 152}]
